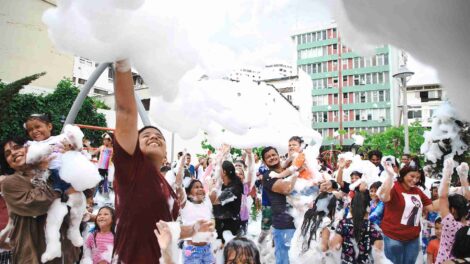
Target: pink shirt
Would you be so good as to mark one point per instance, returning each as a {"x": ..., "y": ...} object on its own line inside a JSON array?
[
  {"x": 103, "y": 248},
  {"x": 449, "y": 227}
]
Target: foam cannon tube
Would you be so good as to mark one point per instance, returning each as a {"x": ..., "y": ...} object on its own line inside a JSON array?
[{"x": 77, "y": 104}]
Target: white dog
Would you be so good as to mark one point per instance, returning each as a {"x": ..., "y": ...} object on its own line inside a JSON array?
[{"x": 77, "y": 170}]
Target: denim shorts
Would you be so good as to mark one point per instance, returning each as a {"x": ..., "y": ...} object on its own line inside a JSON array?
[
  {"x": 198, "y": 254},
  {"x": 57, "y": 183}
]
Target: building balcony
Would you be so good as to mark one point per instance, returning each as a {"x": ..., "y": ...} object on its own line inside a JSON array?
[
  {"x": 366, "y": 87},
  {"x": 317, "y": 59},
  {"x": 359, "y": 106},
  {"x": 317, "y": 44},
  {"x": 325, "y": 91},
  {"x": 364, "y": 70}
]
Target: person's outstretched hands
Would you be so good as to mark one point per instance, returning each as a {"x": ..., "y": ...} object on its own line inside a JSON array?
[
  {"x": 448, "y": 168},
  {"x": 163, "y": 234}
]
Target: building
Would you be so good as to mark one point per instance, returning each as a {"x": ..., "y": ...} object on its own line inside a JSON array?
[
  {"x": 104, "y": 85},
  {"x": 350, "y": 93},
  {"x": 423, "y": 100},
  {"x": 26, "y": 48}
]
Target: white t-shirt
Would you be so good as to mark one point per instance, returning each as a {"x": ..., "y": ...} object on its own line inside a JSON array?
[
  {"x": 54, "y": 141},
  {"x": 193, "y": 212}
]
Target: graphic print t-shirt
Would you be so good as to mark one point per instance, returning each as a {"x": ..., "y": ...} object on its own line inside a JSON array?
[{"x": 403, "y": 212}]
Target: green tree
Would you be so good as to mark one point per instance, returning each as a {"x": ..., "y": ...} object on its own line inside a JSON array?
[
  {"x": 18, "y": 107},
  {"x": 392, "y": 140}
]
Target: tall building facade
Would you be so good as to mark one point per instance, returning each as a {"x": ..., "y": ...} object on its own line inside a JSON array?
[
  {"x": 26, "y": 48},
  {"x": 351, "y": 93}
]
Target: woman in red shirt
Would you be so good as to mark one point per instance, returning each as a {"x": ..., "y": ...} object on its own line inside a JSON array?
[{"x": 404, "y": 204}]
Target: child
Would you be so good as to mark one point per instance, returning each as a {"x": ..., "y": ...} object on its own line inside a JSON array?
[
  {"x": 433, "y": 246},
  {"x": 197, "y": 207},
  {"x": 39, "y": 129},
  {"x": 296, "y": 160},
  {"x": 241, "y": 250},
  {"x": 357, "y": 236},
  {"x": 106, "y": 152},
  {"x": 376, "y": 206},
  {"x": 319, "y": 219},
  {"x": 98, "y": 247}
]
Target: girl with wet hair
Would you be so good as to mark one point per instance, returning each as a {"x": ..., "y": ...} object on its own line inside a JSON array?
[
  {"x": 357, "y": 235},
  {"x": 241, "y": 250},
  {"x": 452, "y": 208},
  {"x": 317, "y": 221},
  {"x": 460, "y": 250},
  {"x": 227, "y": 204}
]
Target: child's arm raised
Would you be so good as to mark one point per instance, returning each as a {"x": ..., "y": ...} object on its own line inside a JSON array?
[{"x": 126, "y": 108}]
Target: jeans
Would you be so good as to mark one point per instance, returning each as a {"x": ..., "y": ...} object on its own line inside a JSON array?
[
  {"x": 57, "y": 183},
  {"x": 404, "y": 252},
  {"x": 198, "y": 254},
  {"x": 282, "y": 240}
]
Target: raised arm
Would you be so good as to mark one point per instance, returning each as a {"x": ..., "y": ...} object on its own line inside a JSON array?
[
  {"x": 384, "y": 190},
  {"x": 444, "y": 188},
  {"x": 339, "y": 177},
  {"x": 126, "y": 109},
  {"x": 250, "y": 164},
  {"x": 462, "y": 170}
]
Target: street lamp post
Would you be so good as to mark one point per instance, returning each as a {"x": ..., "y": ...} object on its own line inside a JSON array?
[{"x": 402, "y": 75}]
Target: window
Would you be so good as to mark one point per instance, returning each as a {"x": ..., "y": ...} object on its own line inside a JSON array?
[
  {"x": 362, "y": 96},
  {"x": 380, "y": 60},
  {"x": 81, "y": 81},
  {"x": 414, "y": 114},
  {"x": 381, "y": 77},
  {"x": 346, "y": 115},
  {"x": 345, "y": 78},
  {"x": 381, "y": 96},
  {"x": 323, "y": 35},
  {"x": 335, "y": 46},
  {"x": 357, "y": 80},
  {"x": 385, "y": 59},
  {"x": 357, "y": 63},
  {"x": 375, "y": 96},
  {"x": 344, "y": 64}
]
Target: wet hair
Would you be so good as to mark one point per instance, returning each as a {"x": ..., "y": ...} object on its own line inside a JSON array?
[
  {"x": 244, "y": 249},
  {"x": 229, "y": 169},
  {"x": 460, "y": 249},
  {"x": 180, "y": 154},
  {"x": 356, "y": 173},
  {"x": 334, "y": 185},
  {"x": 374, "y": 153},
  {"x": 438, "y": 220},
  {"x": 359, "y": 205},
  {"x": 459, "y": 203},
  {"x": 297, "y": 139},
  {"x": 376, "y": 185},
  {"x": 188, "y": 155},
  {"x": 241, "y": 162},
  {"x": 113, "y": 222},
  {"x": 4, "y": 166},
  {"x": 265, "y": 150},
  {"x": 407, "y": 169},
  {"x": 165, "y": 169},
  {"x": 313, "y": 218}
]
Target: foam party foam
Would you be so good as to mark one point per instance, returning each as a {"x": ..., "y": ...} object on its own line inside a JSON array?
[
  {"x": 423, "y": 28},
  {"x": 173, "y": 48}
]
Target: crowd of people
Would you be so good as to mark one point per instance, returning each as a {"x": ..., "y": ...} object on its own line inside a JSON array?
[{"x": 199, "y": 212}]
